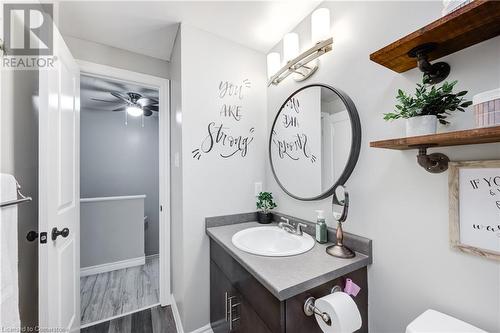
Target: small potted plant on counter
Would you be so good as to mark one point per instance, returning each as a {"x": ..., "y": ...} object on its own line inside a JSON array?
[
  {"x": 265, "y": 203},
  {"x": 429, "y": 105}
]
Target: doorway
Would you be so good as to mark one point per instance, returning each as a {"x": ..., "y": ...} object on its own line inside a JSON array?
[{"x": 124, "y": 218}]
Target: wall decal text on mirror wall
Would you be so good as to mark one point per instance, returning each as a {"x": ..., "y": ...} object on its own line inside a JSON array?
[
  {"x": 233, "y": 109},
  {"x": 219, "y": 136},
  {"x": 296, "y": 146}
]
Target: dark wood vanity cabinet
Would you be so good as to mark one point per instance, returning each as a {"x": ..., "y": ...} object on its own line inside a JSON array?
[
  {"x": 229, "y": 310},
  {"x": 239, "y": 303}
]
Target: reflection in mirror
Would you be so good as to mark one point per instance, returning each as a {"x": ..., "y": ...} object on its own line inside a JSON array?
[
  {"x": 311, "y": 141},
  {"x": 340, "y": 204}
]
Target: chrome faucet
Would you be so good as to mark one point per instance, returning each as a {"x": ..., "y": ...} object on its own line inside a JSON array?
[{"x": 288, "y": 227}]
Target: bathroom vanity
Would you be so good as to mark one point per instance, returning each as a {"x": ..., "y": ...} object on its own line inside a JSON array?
[
  {"x": 316, "y": 134},
  {"x": 252, "y": 293}
]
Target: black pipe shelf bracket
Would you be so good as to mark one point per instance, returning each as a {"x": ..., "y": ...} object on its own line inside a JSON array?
[
  {"x": 434, "y": 73},
  {"x": 433, "y": 163}
]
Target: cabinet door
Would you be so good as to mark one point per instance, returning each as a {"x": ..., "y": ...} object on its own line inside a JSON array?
[
  {"x": 220, "y": 291},
  {"x": 225, "y": 303},
  {"x": 249, "y": 321},
  {"x": 268, "y": 308},
  {"x": 229, "y": 311}
]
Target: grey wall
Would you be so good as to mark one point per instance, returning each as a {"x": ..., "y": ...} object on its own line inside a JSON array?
[
  {"x": 115, "y": 57},
  {"x": 19, "y": 156},
  {"x": 396, "y": 203},
  {"x": 111, "y": 231},
  {"x": 120, "y": 160}
]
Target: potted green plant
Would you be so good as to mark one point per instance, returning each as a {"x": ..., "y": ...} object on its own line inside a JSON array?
[
  {"x": 429, "y": 105},
  {"x": 265, "y": 203}
]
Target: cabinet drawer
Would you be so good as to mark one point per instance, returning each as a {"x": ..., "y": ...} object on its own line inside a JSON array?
[{"x": 265, "y": 305}]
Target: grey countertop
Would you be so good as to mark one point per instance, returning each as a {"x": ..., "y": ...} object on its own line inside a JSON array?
[{"x": 286, "y": 277}]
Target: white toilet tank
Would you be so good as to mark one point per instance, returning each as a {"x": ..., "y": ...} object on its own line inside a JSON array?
[{"x": 432, "y": 321}]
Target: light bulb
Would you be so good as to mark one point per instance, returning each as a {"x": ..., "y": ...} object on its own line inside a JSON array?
[
  {"x": 320, "y": 25},
  {"x": 290, "y": 46},
  {"x": 134, "y": 111},
  {"x": 273, "y": 63}
]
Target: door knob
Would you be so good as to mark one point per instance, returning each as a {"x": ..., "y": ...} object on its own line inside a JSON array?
[
  {"x": 55, "y": 233},
  {"x": 31, "y": 236}
]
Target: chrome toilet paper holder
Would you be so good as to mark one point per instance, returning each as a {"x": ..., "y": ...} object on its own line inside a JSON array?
[{"x": 310, "y": 309}]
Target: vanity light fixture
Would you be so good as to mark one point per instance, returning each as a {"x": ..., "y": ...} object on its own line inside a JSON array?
[
  {"x": 273, "y": 63},
  {"x": 290, "y": 46},
  {"x": 301, "y": 64}
]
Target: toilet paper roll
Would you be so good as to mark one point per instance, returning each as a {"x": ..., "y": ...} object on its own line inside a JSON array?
[{"x": 343, "y": 312}]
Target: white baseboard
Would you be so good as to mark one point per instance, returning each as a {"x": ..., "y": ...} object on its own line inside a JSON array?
[
  {"x": 205, "y": 329},
  {"x": 112, "y": 266},
  {"x": 178, "y": 323},
  {"x": 177, "y": 316},
  {"x": 119, "y": 316}
]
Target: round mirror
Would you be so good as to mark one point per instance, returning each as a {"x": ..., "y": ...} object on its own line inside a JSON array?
[{"x": 315, "y": 141}]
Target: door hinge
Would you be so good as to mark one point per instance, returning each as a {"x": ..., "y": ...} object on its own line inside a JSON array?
[
  {"x": 43, "y": 237},
  {"x": 161, "y": 208}
]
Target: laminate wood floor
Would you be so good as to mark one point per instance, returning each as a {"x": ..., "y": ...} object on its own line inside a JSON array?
[
  {"x": 155, "y": 320},
  {"x": 114, "y": 293}
]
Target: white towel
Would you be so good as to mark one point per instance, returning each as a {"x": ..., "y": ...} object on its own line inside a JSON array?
[{"x": 9, "y": 292}]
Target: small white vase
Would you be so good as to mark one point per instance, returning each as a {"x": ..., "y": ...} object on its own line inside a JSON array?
[{"x": 422, "y": 125}]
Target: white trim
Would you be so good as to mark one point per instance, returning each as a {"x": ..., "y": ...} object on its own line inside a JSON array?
[
  {"x": 177, "y": 316},
  {"x": 178, "y": 322},
  {"x": 163, "y": 86},
  {"x": 164, "y": 157},
  {"x": 205, "y": 329},
  {"x": 119, "y": 316},
  {"x": 124, "y": 197},
  {"x": 112, "y": 266}
]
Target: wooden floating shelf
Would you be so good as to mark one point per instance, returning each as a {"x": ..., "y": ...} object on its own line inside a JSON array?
[
  {"x": 469, "y": 25},
  {"x": 457, "y": 138}
]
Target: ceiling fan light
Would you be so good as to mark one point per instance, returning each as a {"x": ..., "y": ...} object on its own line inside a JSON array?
[{"x": 134, "y": 111}]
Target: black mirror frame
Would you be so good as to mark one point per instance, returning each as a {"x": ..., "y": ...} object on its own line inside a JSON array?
[{"x": 355, "y": 144}]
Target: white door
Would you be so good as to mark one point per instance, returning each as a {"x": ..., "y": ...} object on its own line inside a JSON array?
[{"x": 59, "y": 191}]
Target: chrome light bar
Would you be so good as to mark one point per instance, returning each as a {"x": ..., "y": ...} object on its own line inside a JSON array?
[{"x": 299, "y": 66}]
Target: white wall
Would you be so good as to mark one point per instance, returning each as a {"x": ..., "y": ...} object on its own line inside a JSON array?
[
  {"x": 396, "y": 203},
  {"x": 214, "y": 185},
  {"x": 115, "y": 57}
]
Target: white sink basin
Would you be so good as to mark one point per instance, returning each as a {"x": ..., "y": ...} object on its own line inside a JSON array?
[{"x": 272, "y": 242}]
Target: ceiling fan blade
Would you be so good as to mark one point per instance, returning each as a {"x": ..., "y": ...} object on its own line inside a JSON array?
[
  {"x": 103, "y": 100},
  {"x": 151, "y": 108},
  {"x": 147, "y": 113},
  {"x": 146, "y": 101},
  {"x": 121, "y": 97},
  {"x": 120, "y": 109}
]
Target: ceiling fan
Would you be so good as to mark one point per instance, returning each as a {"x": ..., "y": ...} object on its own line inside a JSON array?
[{"x": 134, "y": 103}]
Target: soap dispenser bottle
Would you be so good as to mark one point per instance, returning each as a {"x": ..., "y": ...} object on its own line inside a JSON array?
[{"x": 321, "y": 229}]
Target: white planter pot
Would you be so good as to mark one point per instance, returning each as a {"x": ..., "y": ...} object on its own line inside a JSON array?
[{"x": 422, "y": 125}]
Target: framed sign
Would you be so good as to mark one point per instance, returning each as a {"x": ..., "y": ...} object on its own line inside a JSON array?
[{"x": 474, "y": 193}]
